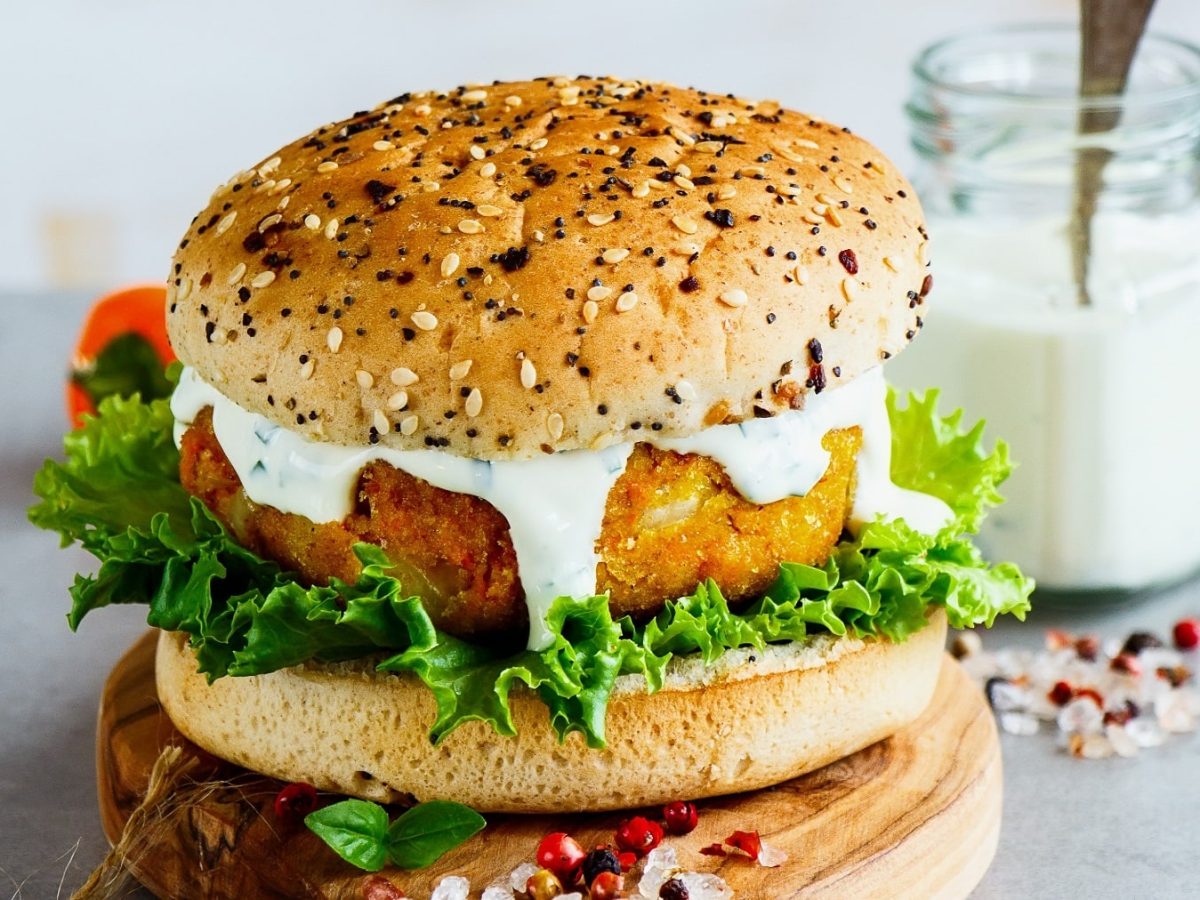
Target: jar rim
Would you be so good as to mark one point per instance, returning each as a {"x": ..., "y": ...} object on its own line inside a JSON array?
[{"x": 925, "y": 68}]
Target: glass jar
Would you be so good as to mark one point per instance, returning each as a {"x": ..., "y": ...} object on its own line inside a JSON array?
[{"x": 1095, "y": 381}]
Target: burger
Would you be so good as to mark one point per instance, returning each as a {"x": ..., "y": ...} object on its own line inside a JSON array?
[{"x": 531, "y": 449}]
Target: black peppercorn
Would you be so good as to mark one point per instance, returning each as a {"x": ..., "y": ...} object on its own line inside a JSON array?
[
  {"x": 600, "y": 860},
  {"x": 1139, "y": 641},
  {"x": 674, "y": 889}
]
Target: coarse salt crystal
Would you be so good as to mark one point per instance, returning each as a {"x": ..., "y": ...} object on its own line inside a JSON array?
[
  {"x": 1174, "y": 714},
  {"x": 1018, "y": 723},
  {"x": 498, "y": 891},
  {"x": 1080, "y": 716},
  {"x": 1122, "y": 741},
  {"x": 519, "y": 877},
  {"x": 770, "y": 857},
  {"x": 661, "y": 864},
  {"x": 1145, "y": 732},
  {"x": 452, "y": 887},
  {"x": 705, "y": 886}
]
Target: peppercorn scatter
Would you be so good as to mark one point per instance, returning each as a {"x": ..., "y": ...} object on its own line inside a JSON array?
[
  {"x": 1100, "y": 697},
  {"x": 660, "y": 234}
]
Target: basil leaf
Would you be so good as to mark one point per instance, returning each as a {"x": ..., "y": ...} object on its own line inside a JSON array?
[
  {"x": 127, "y": 365},
  {"x": 356, "y": 830},
  {"x": 422, "y": 834}
]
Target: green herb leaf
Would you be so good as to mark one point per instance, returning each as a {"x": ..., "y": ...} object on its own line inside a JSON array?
[
  {"x": 127, "y": 365},
  {"x": 422, "y": 834},
  {"x": 356, "y": 830}
]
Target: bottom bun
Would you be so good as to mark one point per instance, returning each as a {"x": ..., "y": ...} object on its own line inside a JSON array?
[{"x": 749, "y": 720}]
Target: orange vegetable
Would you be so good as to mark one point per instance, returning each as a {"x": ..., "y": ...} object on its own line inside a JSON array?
[{"x": 141, "y": 311}]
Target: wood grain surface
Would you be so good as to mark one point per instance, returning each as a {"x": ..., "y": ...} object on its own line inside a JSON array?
[{"x": 915, "y": 816}]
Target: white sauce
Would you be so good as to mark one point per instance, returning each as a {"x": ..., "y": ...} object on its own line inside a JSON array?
[
  {"x": 1097, "y": 403},
  {"x": 555, "y": 504}
]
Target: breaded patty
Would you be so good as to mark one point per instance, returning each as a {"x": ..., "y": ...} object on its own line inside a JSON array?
[{"x": 671, "y": 521}]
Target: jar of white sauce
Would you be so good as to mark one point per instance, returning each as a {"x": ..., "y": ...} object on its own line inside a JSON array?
[{"x": 1097, "y": 391}]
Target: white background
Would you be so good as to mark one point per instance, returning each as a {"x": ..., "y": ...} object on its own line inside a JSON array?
[{"x": 120, "y": 116}]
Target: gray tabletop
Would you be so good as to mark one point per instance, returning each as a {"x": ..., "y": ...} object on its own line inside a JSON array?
[{"x": 1097, "y": 829}]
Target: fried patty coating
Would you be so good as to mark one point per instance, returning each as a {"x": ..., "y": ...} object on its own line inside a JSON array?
[{"x": 671, "y": 521}]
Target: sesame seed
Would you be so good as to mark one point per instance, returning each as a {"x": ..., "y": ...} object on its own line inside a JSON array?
[
  {"x": 424, "y": 320},
  {"x": 273, "y": 219},
  {"x": 488, "y": 169},
  {"x": 849, "y": 289},
  {"x": 614, "y": 254},
  {"x": 539, "y": 144},
  {"x": 685, "y": 183},
  {"x": 554, "y": 426},
  {"x": 460, "y": 369},
  {"x": 474, "y": 404},
  {"x": 403, "y": 377},
  {"x": 709, "y": 146},
  {"x": 599, "y": 292},
  {"x": 236, "y": 274},
  {"x": 185, "y": 288},
  {"x": 398, "y": 400},
  {"x": 590, "y": 310},
  {"x": 627, "y": 301},
  {"x": 800, "y": 273},
  {"x": 528, "y": 374},
  {"x": 512, "y": 100},
  {"x": 450, "y": 264},
  {"x": 470, "y": 226},
  {"x": 380, "y": 421},
  {"x": 684, "y": 224},
  {"x": 844, "y": 184},
  {"x": 726, "y": 192},
  {"x": 364, "y": 378},
  {"x": 334, "y": 339},
  {"x": 262, "y": 279},
  {"x": 269, "y": 166},
  {"x": 805, "y": 142},
  {"x": 489, "y": 211},
  {"x": 474, "y": 95},
  {"x": 641, "y": 190},
  {"x": 685, "y": 390},
  {"x": 734, "y": 297},
  {"x": 408, "y": 425},
  {"x": 477, "y": 152},
  {"x": 331, "y": 228},
  {"x": 813, "y": 218},
  {"x": 306, "y": 369},
  {"x": 787, "y": 153},
  {"x": 600, "y": 218},
  {"x": 682, "y": 136},
  {"x": 922, "y": 253},
  {"x": 312, "y": 221},
  {"x": 382, "y": 145},
  {"x": 225, "y": 223},
  {"x": 328, "y": 166},
  {"x": 422, "y": 109},
  {"x": 751, "y": 171}
]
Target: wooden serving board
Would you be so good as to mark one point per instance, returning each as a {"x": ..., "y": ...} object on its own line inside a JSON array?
[{"x": 916, "y": 816}]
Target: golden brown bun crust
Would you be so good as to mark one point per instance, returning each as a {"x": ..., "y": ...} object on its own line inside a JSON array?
[
  {"x": 750, "y": 720},
  {"x": 456, "y": 236}
]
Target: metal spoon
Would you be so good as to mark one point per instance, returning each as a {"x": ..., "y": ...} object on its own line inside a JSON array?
[{"x": 1110, "y": 31}]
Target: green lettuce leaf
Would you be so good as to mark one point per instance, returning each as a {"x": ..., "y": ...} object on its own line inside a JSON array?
[{"x": 117, "y": 494}]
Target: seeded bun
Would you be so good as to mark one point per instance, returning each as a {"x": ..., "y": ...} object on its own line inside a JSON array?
[
  {"x": 425, "y": 273},
  {"x": 750, "y": 720}
]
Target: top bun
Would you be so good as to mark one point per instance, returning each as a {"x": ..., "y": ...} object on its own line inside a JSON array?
[{"x": 509, "y": 269}]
